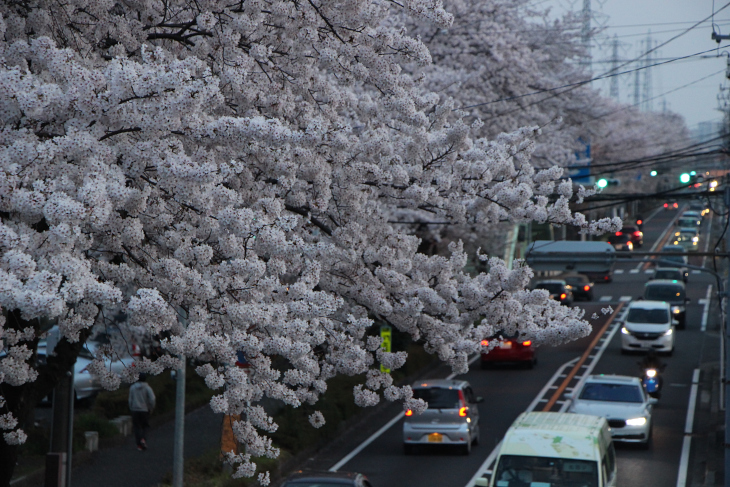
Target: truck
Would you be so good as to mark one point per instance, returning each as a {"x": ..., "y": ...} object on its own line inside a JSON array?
[{"x": 594, "y": 259}]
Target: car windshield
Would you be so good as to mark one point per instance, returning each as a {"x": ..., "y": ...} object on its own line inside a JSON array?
[
  {"x": 522, "y": 471},
  {"x": 667, "y": 274},
  {"x": 664, "y": 293},
  {"x": 679, "y": 259},
  {"x": 438, "y": 397},
  {"x": 650, "y": 316},
  {"x": 597, "y": 391},
  {"x": 686, "y": 222},
  {"x": 619, "y": 238},
  {"x": 552, "y": 287},
  {"x": 575, "y": 281}
]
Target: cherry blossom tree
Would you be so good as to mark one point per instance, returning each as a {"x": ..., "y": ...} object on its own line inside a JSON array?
[{"x": 227, "y": 174}]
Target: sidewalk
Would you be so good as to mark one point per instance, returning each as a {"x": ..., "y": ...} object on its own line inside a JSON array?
[{"x": 125, "y": 466}]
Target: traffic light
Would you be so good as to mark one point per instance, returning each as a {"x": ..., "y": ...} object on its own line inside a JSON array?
[
  {"x": 684, "y": 178},
  {"x": 602, "y": 183},
  {"x": 653, "y": 173}
]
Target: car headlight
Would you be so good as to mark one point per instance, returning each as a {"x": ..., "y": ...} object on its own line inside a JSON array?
[
  {"x": 636, "y": 421},
  {"x": 625, "y": 330},
  {"x": 676, "y": 310},
  {"x": 695, "y": 239},
  {"x": 668, "y": 332}
]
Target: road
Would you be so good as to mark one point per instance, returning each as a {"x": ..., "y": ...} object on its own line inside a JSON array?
[{"x": 509, "y": 391}]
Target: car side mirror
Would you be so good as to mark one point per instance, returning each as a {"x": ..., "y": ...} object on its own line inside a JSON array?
[
  {"x": 483, "y": 481},
  {"x": 653, "y": 400},
  {"x": 479, "y": 400}
]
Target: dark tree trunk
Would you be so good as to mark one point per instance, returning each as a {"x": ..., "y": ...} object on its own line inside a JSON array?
[{"x": 21, "y": 400}]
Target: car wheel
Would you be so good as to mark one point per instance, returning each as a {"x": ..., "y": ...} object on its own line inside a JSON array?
[
  {"x": 407, "y": 449},
  {"x": 475, "y": 441},
  {"x": 466, "y": 449}
]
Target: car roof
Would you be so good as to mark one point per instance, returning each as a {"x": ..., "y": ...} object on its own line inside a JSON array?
[
  {"x": 677, "y": 248},
  {"x": 613, "y": 379},
  {"x": 556, "y": 435},
  {"x": 321, "y": 476},
  {"x": 691, "y": 213},
  {"x": 673, "y": 269},
  {"x": 573, "y": 276},
  {"x": 665, "y": 282},
  {"x": 443, "y": 383},
  {"x": 648, "y": 304}
]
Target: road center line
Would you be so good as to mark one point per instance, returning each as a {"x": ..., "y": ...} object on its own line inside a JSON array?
[
  {"x": 582, "y": 359},
  {"x": 706, "y": 311},
  {"x": 688, "y": 425}
]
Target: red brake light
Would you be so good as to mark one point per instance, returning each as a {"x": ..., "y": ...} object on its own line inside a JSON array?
[
  {"x": 409, "y": 412},
  {"x": 527, "y": 343},
  {"x": 586, "y": 287},
  {"x": 676, "y": 205},
  {"x": 619, "y": 233},
  {"x": 637, "y": 234},
  {"x": 666, "y": 205},
  {"x": 462, "y": 411},
  {"x": 563, "y": 296},
  {"x": 639, "y": 222},
  {"x": 485, "y": 343}
]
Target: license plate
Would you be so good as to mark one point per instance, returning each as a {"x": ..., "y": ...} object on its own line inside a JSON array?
[
  {"x": 435, "y": 438},
  {"x": 506, "y": 345}
]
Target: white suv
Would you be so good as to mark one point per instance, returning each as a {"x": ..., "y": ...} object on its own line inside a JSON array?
[{"x": 648, "y": 326}]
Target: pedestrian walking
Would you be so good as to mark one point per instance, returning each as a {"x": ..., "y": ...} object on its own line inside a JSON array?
[{"x": 141, "y": 403}]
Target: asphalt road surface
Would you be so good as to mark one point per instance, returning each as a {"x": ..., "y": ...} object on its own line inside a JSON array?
[{"x": 509, "y": 391}]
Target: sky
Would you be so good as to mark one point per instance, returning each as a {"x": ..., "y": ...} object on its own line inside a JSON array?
[{"x": 632, "y": 20}]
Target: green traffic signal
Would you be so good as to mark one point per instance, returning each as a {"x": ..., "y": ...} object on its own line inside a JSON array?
[
  {"x": 602, "y": 183},
  {"x": 693, "y": 173},
  {"x": 653, "y": 173},
  {"x": 684, "y": 178}
]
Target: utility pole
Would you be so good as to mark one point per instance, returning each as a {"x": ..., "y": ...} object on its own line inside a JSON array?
[
  {"x": 58, "y": 460},
  {"x": 614, "y": 68},
  {"x": 178, "y": 460},
  {"x": 586, "y": 32}
]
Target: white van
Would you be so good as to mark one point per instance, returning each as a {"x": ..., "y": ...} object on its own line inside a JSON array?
[{"x": 543, "y": 449}]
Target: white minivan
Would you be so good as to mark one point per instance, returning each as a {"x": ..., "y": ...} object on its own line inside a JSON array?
[{"x": 554, "y": 449}]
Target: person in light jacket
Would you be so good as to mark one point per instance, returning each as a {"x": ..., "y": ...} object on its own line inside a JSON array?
[{"x": 141, "y": 403}]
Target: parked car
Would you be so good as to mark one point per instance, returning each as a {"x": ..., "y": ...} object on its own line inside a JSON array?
[
  {"x": 508, "y": 350},
  {"x": 452, "y": 417},
  {"x": 621, "y": 241},
  {"x": 581, "y": 286},
  {"x": 559, "y": 290},
  {"x": 648, "y": 326},
  {"x": 326, "y": 479},
  {"x": 637, "y": 236},
  {"x": 621, "y": 400},
  {"x": 671, "y": 291},
  {"x": 671, "y": 273}
]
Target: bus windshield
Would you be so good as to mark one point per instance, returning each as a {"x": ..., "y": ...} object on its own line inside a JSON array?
[{"x": 521, "y": 471}]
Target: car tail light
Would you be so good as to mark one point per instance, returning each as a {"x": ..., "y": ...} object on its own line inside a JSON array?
[
  {"x": 666, "y": 205},
  {"x": 676, "y": 205},
  {"x": 409, "y": 412},
  {"x": 485, "y": 343},
  {"x": 605, "y": 278},
  {"x": 563, "y": 296},
  {"x": 526, "y": 343},
  {"x": 637, "y": 234},
  {"x": 639, "y": 222},
  {"x": 463, "y": 409},
  {"x": 586, "y": 287},
  {"x": 619, "y": 233}
]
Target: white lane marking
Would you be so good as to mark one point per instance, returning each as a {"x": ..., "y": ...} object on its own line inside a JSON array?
[
  {"x": 696, "y": 271},
  {"x": 618, "y": 271},
  {"x": 382, "y": 430},
  {"x": 649, "y": 271},
  {"x": 606, "y": 299},
  {"x": 706, "y": 311},
  {"x": 707, "y": 240},
  {"x": 688, "y": 425},
  {"x": 625, "y": 298},
  {"x": 634, "y": 271},
  {"x": 484, "y": 467}
]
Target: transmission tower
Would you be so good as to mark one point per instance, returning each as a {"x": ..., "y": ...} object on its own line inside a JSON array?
[
  {"x": 614, "y": 68},
  {"x": 646, "y": 102}
]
